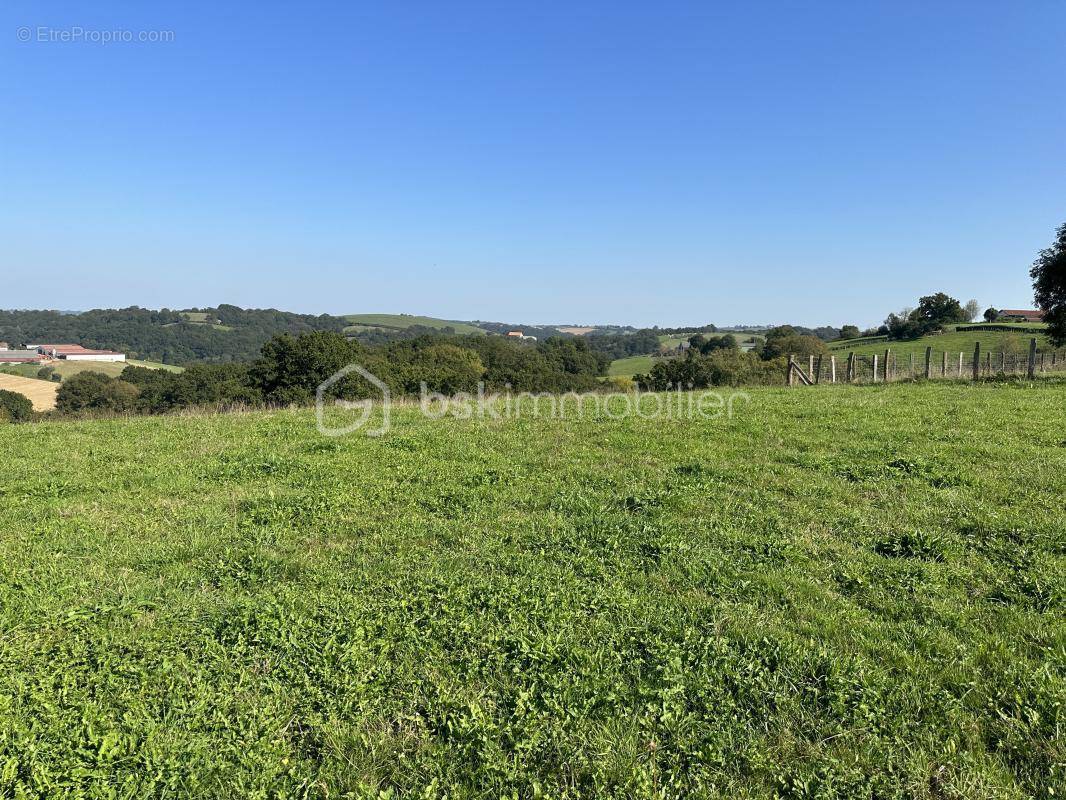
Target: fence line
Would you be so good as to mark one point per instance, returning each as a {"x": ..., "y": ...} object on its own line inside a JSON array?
[{"x": 943, "y": 364}]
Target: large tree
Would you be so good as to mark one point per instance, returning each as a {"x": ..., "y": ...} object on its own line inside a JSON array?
[
  {"x": 1049, "y": 286},
  {"x": 933, "y": 311}
]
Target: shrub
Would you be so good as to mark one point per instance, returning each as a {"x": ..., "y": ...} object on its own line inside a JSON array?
[
  {"x": 720, "y": 368},
  {"x": 14, "y": 407},
  {"x": 95, "y": 391}
]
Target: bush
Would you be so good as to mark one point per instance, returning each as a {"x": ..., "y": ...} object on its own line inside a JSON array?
[
  {"x": 97, "y": 392},
  {"x": 720, "y": 368},
  {"x": 14, "y": 407},
  {"x": 785, "y": 341}
]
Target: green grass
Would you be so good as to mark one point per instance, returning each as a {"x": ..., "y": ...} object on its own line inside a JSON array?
[
  {"x": 68, "y": 368},
  {"x": 628, "y": 367},
  {"x": 842, "y": 592},
  {"x": 404, "y": 321},
  {"x": 959, "y": 341}
]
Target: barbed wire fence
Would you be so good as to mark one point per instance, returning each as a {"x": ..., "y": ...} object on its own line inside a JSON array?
[{"x": 931, "y": 364}]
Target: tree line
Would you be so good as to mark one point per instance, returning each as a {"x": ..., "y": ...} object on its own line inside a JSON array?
[{"x": 290, "y": 368}]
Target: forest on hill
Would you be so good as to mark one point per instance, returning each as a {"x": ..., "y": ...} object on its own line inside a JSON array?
[{"x": 212, "y": 335}]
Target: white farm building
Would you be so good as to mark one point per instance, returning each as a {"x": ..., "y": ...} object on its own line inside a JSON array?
[{"x": 75, "y": 352}]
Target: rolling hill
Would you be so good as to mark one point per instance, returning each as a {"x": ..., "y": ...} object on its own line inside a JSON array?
[
  {"x": 405, "y": 321},
  {"x": 961, "y": 340}
]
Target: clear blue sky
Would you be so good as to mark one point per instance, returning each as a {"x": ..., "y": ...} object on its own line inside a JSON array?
[{"x": 669, "y": 163}]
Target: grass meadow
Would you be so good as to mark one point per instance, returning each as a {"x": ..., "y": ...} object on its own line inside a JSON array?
[
  {"x": 960, "y": 341},
  {"x": 840, "y": 592}
]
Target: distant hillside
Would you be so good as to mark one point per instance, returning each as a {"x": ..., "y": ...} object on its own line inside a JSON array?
[
  {"x": 224, "y": 333},
  {"x": 1011, "y": 339},
  {"x": 400, "y": 322}
]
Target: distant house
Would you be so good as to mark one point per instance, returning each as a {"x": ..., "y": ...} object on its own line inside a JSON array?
[
  {"x": 520, "y": 335},
  {"x": 1016, "y": 315}
]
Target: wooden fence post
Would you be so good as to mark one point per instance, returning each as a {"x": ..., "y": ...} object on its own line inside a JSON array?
[
  {"x": 851, "y": 368},
  {"x": 977, "y": 360},
  {"x": 790, "y": 378},
  {"x": 832, "y": 369},
  {"x": 888, "y": 354},
  {"x": 818, "y": 371},
  {"x": 875, "y": 368},
  {"x": 944, "y": 366},
  {"x": 928, "y": 362},
  {"x": 1042, "y": 361},
  {"x": 911, "y": 364},
  {"x": 960, "y": 364},
  {"x": 1031, "y": 371},
  {"x": 988, "y": 362}
]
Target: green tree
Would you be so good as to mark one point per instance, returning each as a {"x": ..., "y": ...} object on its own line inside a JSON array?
[
  {"x": 96, "y": 391},
  {"x": 444, "y": 368},
  {"x": 14, "y": 407},
  {"x": 939, "y": 309},
  {"x": 290, "y": 368},
  {"x": 971, "y": 310},
  {"x": 784, "y": 340},
  {"x": 1049, "y": 286},
  {"x": 991, "y": 314},
  {"x": 933, "y": 311},
  {"x": 849, "y": 332},
  {"x": 712, "y": 343}
]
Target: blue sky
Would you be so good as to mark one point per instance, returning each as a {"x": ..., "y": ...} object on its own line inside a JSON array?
[{"x": 658, "y": 163}]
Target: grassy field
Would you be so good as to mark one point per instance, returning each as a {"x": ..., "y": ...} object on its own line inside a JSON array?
[
  {"x": 628, "y": 367},
  {"x": 68, "y": 368},
  {"x": 841, "y": 592},
  {"x": 403, "y": 321},
  {"x": 954, "y": 343},
  {"x": 41, "y": 393}
]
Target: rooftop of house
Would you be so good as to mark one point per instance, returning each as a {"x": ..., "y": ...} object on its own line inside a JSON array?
[{"x": 1027, "y": 313}]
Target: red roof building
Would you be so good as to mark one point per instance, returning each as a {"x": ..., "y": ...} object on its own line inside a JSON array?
[{"x": 1021, "y": 315}]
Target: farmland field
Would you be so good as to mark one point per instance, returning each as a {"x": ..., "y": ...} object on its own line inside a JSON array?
[
  {"x": 41, "y": 393},
  {"x": 628, "y": 367},
  {"x": 841, "y": 592},
  {"x": 68, "y": 368}
]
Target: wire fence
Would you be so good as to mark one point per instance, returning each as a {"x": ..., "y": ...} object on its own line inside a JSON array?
[{"x": 930, "y": 364}]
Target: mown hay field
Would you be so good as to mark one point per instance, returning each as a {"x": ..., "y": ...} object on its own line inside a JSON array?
[
  {"x": 41, "y": 393},
  {"x": 840, "y": 592}
]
